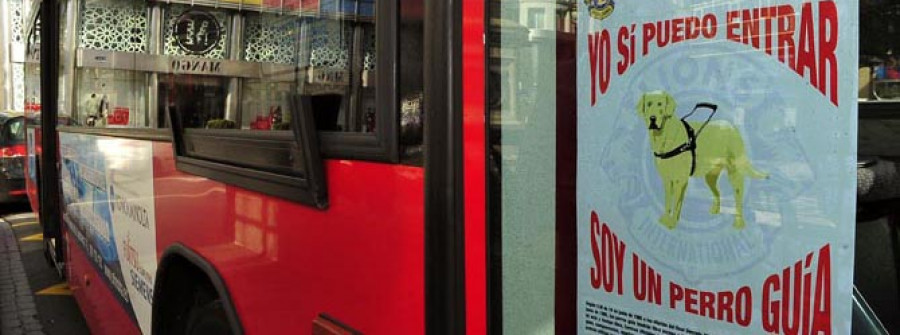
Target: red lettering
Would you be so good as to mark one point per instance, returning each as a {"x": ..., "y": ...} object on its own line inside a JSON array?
[
  {"x": 647, "y": 283},
  {"x": 770, "y": 309},
  {"x": 726, "y": 312},
  {"x": 676, "y": 293},
  {"x": 743, "y": 306},
  {"x": 693, "y": 26},
  {"x": 593, "y": 55},
  {"x": 806, "y": 53},
  {"x": 663, "y": 35},
  {"x": 786, "y": 25},
  {"x": 596, "y": 277},
  {"x": 601, "y": 62},
  {"x": 609, "y": 257},
  {"x": 639, "y": 278},
  {"x": 767, "y": 14},
  {"x": 710, "y": 26},
  {"x": 804, "y": 329},
  {"x": 622, "y": 66},
  {"x": 615, "y": 261},
  {"x": 677, "y": 30},
  {"x": 690, "y": 300},
  {"x": 828, "y": 37},
  {"x": 821, "y": 323},
  {"x": 649, "y": 35},
  {"x": 609, "y": 273},
  {"x": 731, "y": 24},
  {"x": 731, "y": 307},
  {"x": 620, "y": 263},
  {"x": 751, "y": 27},
  {"x": 707, "y": 304},
  {"x": 790, "y": 317}
]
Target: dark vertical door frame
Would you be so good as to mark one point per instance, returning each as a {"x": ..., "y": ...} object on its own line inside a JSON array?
[
  {"x": 49, "y": 178},
  {"x": 444, "y": 239}
]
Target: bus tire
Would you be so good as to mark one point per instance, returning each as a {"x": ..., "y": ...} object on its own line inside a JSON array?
[{"x": 209, "y": 318}]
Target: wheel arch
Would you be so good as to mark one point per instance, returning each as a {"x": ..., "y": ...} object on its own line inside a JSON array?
[{"x": 179, "y": 260}]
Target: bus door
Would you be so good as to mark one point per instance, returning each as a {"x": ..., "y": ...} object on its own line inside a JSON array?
[{"x": 41, "y": 120}]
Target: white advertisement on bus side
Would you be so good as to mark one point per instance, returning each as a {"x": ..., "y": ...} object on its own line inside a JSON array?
[
  {"x": 716, "y": 171},
  {"x": 108, "y": 195}
]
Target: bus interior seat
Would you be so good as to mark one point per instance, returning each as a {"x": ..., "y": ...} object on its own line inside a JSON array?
[{"x": 877, "y": 251}]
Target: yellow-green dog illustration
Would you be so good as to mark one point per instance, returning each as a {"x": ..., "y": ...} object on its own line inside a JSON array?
[{"x": 694, "y": 149}]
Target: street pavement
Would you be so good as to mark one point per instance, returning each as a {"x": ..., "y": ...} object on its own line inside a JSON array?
[{"x": 33, "y": 298}]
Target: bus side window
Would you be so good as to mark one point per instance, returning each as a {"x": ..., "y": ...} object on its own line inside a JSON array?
[{"x": 331, "y": 53}]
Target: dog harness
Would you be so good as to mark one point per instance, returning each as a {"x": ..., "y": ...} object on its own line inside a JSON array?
[{"x": 691, "y": 144}]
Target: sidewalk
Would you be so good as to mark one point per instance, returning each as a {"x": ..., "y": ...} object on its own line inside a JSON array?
[{"x": 18, "y": 312}]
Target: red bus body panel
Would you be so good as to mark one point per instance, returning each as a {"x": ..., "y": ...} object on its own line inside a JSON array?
[
  {"x": 31, "y": 187},
  {"x": 360, "y": 261},
  {"x": 96, "y": 301},
  {"x": 474, "y": 165}
]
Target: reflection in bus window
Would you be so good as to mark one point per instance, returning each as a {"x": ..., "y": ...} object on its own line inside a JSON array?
[
  {"x": 33, "y": 72},
  {"x": 879, "y": 47},
  {"x": 197, "y": 39},
  {"x": 192, "y": 31},
  {"x": 198, "y": 100},
  {"x": 111, "y": 98},
  {"x": 337, "y": 67},
  {"x": 114, "y": 25},
  {"x": 411, "y": 83},
  {"x": 270, "y": 39}
]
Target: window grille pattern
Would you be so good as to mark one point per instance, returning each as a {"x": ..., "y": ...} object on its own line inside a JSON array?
[
  {"x": 18, "y": 14},
  {"x": 271, "y": 39},
  {"x": 115, "y": 26},
  {"x": 369, "y": 52},
  {"x": 330, "y": 44},
  {"x": 18, "y": 72}
]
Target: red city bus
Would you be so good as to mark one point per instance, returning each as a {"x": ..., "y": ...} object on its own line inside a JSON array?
[{"x": 408, "y": 167}]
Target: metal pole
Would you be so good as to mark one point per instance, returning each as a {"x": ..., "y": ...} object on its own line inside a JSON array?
[
  {"x": 49, "y": 176},
  {"x": 232, "y": 110},
  {"x": 68, "y": 57},
  {"x": 156, "y": 40}
]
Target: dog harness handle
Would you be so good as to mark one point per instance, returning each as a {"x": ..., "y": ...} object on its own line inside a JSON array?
[{"x": 691, "y": 144}]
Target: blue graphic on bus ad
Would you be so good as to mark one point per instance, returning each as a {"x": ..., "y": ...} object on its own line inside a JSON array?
[
  {"x": 716, "y": 173},
  {"x": 87, "y": 211}
]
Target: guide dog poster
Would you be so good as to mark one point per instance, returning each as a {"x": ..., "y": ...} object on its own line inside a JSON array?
[{"x": 716, "y": 166}]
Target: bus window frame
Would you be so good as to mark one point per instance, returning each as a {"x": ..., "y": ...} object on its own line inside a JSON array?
[
  {"x": 310, "y": 189},
  {"x": 383, "y": 145}
]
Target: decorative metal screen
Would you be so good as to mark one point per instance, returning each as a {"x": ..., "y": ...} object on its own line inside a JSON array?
[
  {"x": 17, "y": 12},
  {"x": 114, "y": 25},
  {"x": 369, "y": 50},
  {"x": 271, "y": 38},
  {"x": 172, "y": 47},
  {"x": 329, "y": 44},
  {"x": 18, "y": 74}
]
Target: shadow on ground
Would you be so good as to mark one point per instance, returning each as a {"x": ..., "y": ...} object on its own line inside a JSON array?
[{"x": 56, "y": 307}]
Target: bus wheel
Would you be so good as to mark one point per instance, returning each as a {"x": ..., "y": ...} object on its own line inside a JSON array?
[{"x": 208, "y": 319}]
